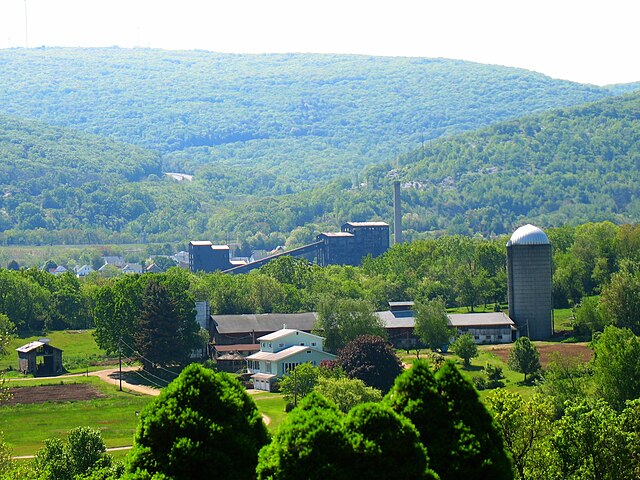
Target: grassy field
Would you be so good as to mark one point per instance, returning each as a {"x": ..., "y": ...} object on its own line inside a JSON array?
[
  {"x": 272, "y": 405},
  {"x": 26, "y": 426},
  {"x": 79, "y": 351}
]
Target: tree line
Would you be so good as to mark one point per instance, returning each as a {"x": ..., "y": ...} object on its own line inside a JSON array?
[{"x": 595, "y": 259}]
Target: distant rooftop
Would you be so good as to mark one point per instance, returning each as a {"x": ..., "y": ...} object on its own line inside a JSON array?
[
  {"x": 367, "y": 224},
  {"x": 337, "y": 234}
]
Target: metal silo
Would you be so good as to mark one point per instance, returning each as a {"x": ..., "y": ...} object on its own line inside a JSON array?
[{"x": 529, "y": 282}]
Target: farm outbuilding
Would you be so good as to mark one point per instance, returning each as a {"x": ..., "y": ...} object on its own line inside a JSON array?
[{"x": 39, "y": 358}]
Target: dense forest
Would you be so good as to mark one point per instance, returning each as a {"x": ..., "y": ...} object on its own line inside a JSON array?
[
  {"x": 304, "y": 118},
  {"x": 567, "y": 166},
  {"x": 283, "y": 147}
]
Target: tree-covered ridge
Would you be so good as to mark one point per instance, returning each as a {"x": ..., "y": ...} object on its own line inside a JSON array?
[
  {"x": 562, "y": 167},
  {"x": 318, "y": 115},
  {"x": 34, "y": 152},
  {"x": 58, "y": 178}
]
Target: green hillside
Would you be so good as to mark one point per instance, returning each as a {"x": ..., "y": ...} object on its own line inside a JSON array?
[
  {"x": 300, "y": 119},
  {"x": 563, "y": 167}
]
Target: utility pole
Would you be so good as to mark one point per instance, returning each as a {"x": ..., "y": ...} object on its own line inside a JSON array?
[{"x": 120, "y": 360}]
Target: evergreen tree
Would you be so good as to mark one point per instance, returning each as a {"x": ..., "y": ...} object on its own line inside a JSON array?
[
  {"x": 478, "y": 449},
  {"x": 386, "y": 444},
  {"x": 203, "y": 423},
  {"x": 416, "y": 396},
  {"x": 158, "y": 336},
  {"x": 461, "y": 438},
  {"x": 311, "y": 444}
]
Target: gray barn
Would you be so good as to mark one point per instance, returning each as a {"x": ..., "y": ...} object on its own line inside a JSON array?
[
  {"x": 39, "y": 358},
  {"x": 530, "y": 282}
]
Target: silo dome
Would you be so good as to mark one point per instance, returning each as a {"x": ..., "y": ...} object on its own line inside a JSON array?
[{"x": 528, "y": 235}]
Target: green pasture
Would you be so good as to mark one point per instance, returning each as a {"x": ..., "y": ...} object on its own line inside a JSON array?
[
  {"x": 25, "y": 427},
  {"x": 562, "y": 320},
  {"x": 79, "y": 351},
  {"x": 272, "y": 405}
]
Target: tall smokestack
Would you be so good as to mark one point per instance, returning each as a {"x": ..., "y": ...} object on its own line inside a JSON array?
[{"x": 397, "y": 214}]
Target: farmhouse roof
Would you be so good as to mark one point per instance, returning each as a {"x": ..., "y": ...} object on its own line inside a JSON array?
[
  {"x": 283, "y": 332},
  {"x": 282, "y": 354}
]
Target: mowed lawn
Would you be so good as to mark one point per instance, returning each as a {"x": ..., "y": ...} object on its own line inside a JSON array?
[
  {"x": 79, "y": 350},
  {"x": 26, "y": 426}
]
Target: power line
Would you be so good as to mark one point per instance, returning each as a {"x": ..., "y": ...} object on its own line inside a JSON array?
[{"x": 147, "y": 360}]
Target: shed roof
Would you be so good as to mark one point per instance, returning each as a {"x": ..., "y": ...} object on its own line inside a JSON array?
[
  {"x": 263, "y": 322},
  {"x": 240, "y": 347},
  {"x": 34, "y": 345}
]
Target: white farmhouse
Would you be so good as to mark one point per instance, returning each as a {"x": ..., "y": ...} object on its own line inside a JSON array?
[{"x": 282, "y": 351}]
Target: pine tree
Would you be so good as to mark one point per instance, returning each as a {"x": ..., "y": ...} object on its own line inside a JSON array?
[{"x": 158, "y": 336}]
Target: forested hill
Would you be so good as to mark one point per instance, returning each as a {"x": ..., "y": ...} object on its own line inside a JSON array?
[
  {"x": 562, "y": 167},
  {"x": 56, "y": 178},
  {"x": 303, "y": 118}
]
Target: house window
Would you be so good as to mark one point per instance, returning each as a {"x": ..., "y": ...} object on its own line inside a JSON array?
[
  {"x": 281, "y": 345},
  {"x": 308, "y": 351},
  {"x": 487, "y": 337},
  {"x": 267, "y": 367},
  {"x": 499, "y": 337},
  {"x": 313, "y": 344},
  {"x": 477, "y": 337}
]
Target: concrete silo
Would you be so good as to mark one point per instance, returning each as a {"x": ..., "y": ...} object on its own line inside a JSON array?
[{"x": 529, "y": 282}]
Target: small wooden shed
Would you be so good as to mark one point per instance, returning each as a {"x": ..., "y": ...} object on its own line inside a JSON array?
[{"x": 39, "y": 358}]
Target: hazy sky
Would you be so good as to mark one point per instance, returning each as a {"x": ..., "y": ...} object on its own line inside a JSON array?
[{"x": 584, "y": 41}]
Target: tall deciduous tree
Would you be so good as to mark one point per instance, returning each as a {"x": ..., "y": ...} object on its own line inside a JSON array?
[
  {"x": 616, "y": 366},
  {"x": 431, "y": 323},
  {"x": 621, "y": 298},
  {"x": 372, "y": 360},
  {"x": 524, "y": 357},
  {"x": 526, "y": 427},
  {"x": 589, "y": 442},
  {"x": 343, "y": 320},
  {"x": 117, "y": 305},
  {"x": 202, "y": 422}
]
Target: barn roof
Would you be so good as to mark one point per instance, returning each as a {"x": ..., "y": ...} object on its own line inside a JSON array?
[
  {"x": 491, "y": 319},
  {"x": 264, "y": 322}
]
